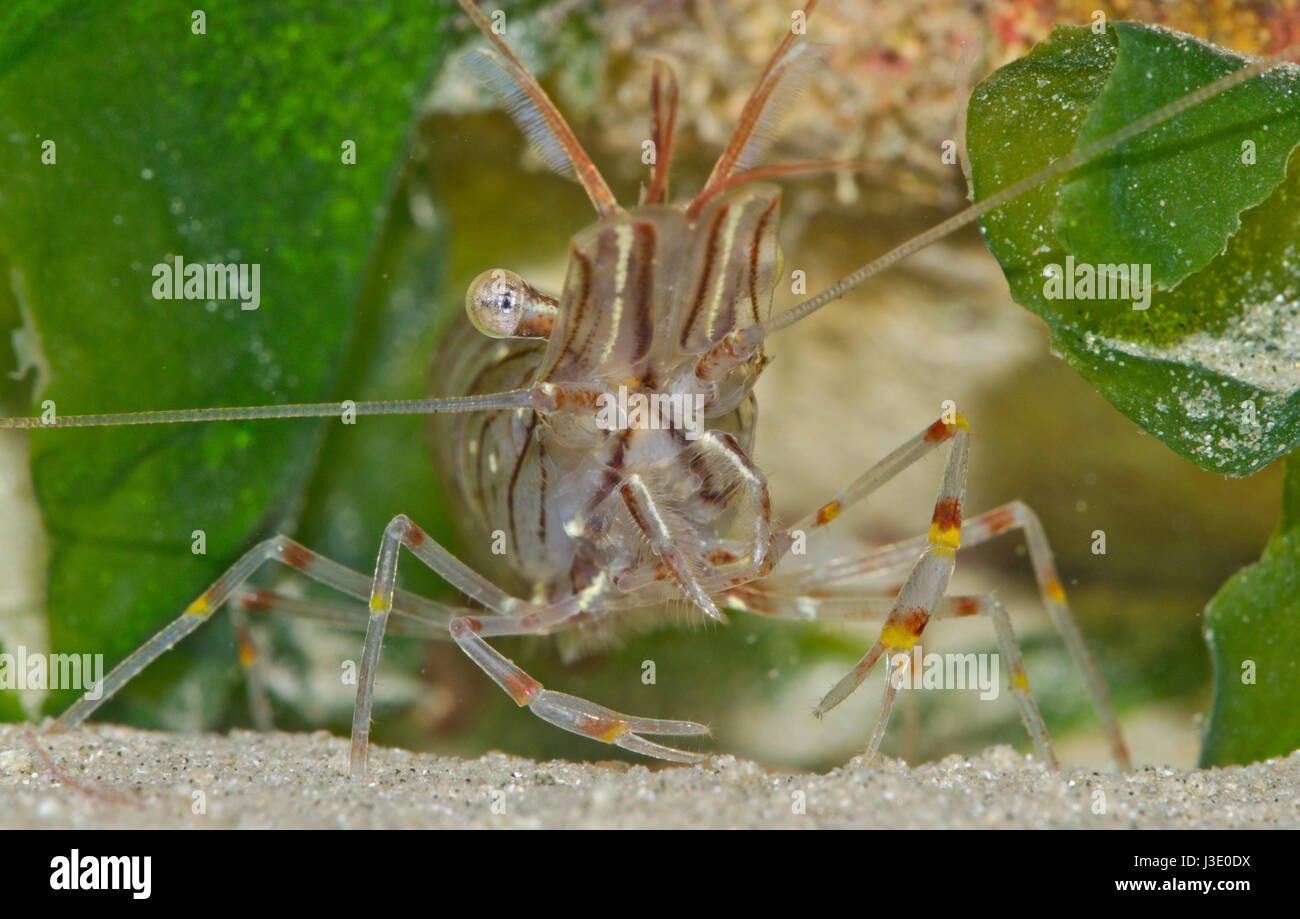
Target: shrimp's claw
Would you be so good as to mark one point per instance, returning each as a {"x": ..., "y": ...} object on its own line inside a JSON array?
[{"x": 608, "y": 726}]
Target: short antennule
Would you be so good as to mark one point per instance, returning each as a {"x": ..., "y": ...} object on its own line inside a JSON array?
[{"x": 553, "y": 122}]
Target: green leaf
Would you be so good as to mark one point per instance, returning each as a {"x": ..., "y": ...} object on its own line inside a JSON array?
[
  {"x": 1211, "y": 367},
  {"x": 221, "y": 147},
  {"x": 1144, "y": 188},
  {"x": 1253, "y": 628}
]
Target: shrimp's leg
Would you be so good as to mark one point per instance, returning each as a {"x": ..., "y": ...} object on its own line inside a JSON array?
[
  {"x": 561, "y": 709},
  {"x": 276, "y": 549},
  {"x": 262, "y": 601},
  {"x": 921, "y": 591},
  {"x": 883, "y": 565},
  {"x": 413, "y": 617},
  {"x": 850, "y": 605},
  {"x": 645, "y": 512},
  {"x": 405, "y": 622},
  {"x": 724, "y": 474},
  {"x": 912, "y": 450},
  {"x": 771, "y": 547},
  {"x": 568, "y": 712},
  {"x": 251, "y": 661},
  {"x": 723, "y": 449}
]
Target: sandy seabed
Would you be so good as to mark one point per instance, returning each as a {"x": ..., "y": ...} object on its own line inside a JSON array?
[{"x": 110, "y": 776}]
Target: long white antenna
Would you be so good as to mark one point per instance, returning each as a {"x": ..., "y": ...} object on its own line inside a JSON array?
[{"x": 515, "y": 398}]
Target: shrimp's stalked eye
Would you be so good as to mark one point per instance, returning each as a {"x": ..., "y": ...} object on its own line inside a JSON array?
[{"x": 501, "y": 304}]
